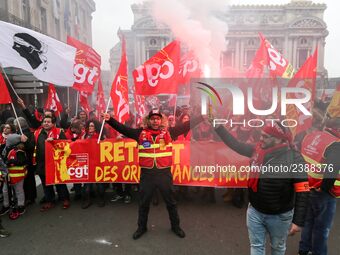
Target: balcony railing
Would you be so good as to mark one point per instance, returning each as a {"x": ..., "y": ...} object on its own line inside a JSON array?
[{"x": 9, "y": 17}]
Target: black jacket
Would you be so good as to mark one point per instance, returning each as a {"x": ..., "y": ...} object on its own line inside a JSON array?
[
  {"x": 275, "y": 191},
  {"x": 41, "y": 150}
]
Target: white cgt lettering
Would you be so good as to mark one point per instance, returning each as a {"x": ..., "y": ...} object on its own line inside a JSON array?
[
  {"x": 78, "y": 172},
  {"x": 81, "y": 72}
]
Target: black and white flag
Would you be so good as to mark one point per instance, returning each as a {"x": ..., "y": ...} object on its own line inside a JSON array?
[{"x": 46, "y": 58}]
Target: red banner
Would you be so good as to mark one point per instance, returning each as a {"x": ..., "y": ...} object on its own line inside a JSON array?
[
  {"x": 85, "y": 161},
  {"x": 159, "y": 74},
  {"x": 87, "y": 66}
]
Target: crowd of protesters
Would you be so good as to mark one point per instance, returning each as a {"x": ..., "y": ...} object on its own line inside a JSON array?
[{"x": 22, "y": 156}]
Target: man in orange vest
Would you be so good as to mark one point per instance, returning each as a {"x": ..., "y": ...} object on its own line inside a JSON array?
[
  {"x": 155, "y": 160},
  {"x": 321, "y": 149}
]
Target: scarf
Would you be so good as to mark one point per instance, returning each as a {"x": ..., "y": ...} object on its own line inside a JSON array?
[{"x": 257, "y": 161}]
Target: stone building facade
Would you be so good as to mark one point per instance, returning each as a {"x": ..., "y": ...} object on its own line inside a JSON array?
[
  {"x": 55, "y": 18},
  {"x": 295, "y": 29}
]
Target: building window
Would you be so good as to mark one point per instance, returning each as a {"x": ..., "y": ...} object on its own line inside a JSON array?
[
  {"x": 251, "y": 42},
  {"x": 274, "y": 42},
  {"x": 303, "y": 41},
  {"x": 153, "y": 42},
  {"x": 151, "y": 53},
  {"x": 302, "y": 56},
  {"x": 43, "y": 20},
  {"x": 227, "y": 58},
  {"x": 57, "y": 28},
  {"x": 248, "y": 57},
  {"x": 83, "y": 17},
  {"x": 26, "y": 11}
]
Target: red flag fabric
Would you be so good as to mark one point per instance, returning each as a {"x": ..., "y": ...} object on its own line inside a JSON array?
[
  {"x": 100, "y": 99},
  {"x": 87, "y": 66},
  {"x": 119, "y": 90},
  {"x": 260, "y": 60},
  {"x": 84, "y": 102},
  {"x": 278, "y": 65},
  {"x": 5, "y": 97},
  {"x": 304, "y": 78},
  {"x": 159, "y": 74},
  {"x": 53, "y": 102},
  {"x": 188, "y": 68}
]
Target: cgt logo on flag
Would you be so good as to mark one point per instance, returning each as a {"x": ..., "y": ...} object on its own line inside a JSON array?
[
  {"x": 159, "y": 74},
  {"x": 78, "y": 167}
]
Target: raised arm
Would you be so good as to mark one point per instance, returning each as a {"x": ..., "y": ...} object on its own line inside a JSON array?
[
  {"x": 132, "y": 133},
  {"x": 241, "y": 148},
  {"x": 184, "y": 127}
]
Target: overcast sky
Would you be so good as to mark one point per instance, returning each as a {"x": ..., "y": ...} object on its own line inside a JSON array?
[{"x": 112, "y": 14}]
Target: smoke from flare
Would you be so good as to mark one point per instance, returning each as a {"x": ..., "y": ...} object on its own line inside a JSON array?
[{"x": 197, "y": 23}]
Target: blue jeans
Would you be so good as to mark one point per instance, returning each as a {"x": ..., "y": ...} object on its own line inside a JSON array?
[
  {"x": 319, "y": 219},
  {"x": 276, "y": 225}
]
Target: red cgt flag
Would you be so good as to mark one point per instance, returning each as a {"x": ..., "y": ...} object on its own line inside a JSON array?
[
  {"x": 278, "y": 65},
  {"x": 188, "y": 68},
  {"x": 159, "y": 74},
  {"x": 87, "y": 66},
  {"x": 304, "y": 78},
  {"x": 5, "y": 97},
  {"x": 100, "y": 99},
  {"x": 53, "y": 102},
  {"x": 119, "y": 90}
]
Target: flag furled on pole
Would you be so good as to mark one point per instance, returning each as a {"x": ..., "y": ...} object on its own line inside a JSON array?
[
  {"x": 159, "y": 74},
  {"x": 119, "y": 90},
  {"x": 84, "y": 104},
  {"x": 86, "y": 66},
  {"x": 46, "y": 58},
  {"x": 304, "y": 78},
  {"x": 53, "y": 102},
  {"x": 5, "y": 97},
  {"x": 100, "y": 99}
]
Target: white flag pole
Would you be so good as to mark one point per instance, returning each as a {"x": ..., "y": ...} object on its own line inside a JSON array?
[
  {"x": 16, "y": 117},
  {"x": 77, "y": 104},
  {"x": 102, "y": 127},
  {"x": 68, "y": 97}
]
